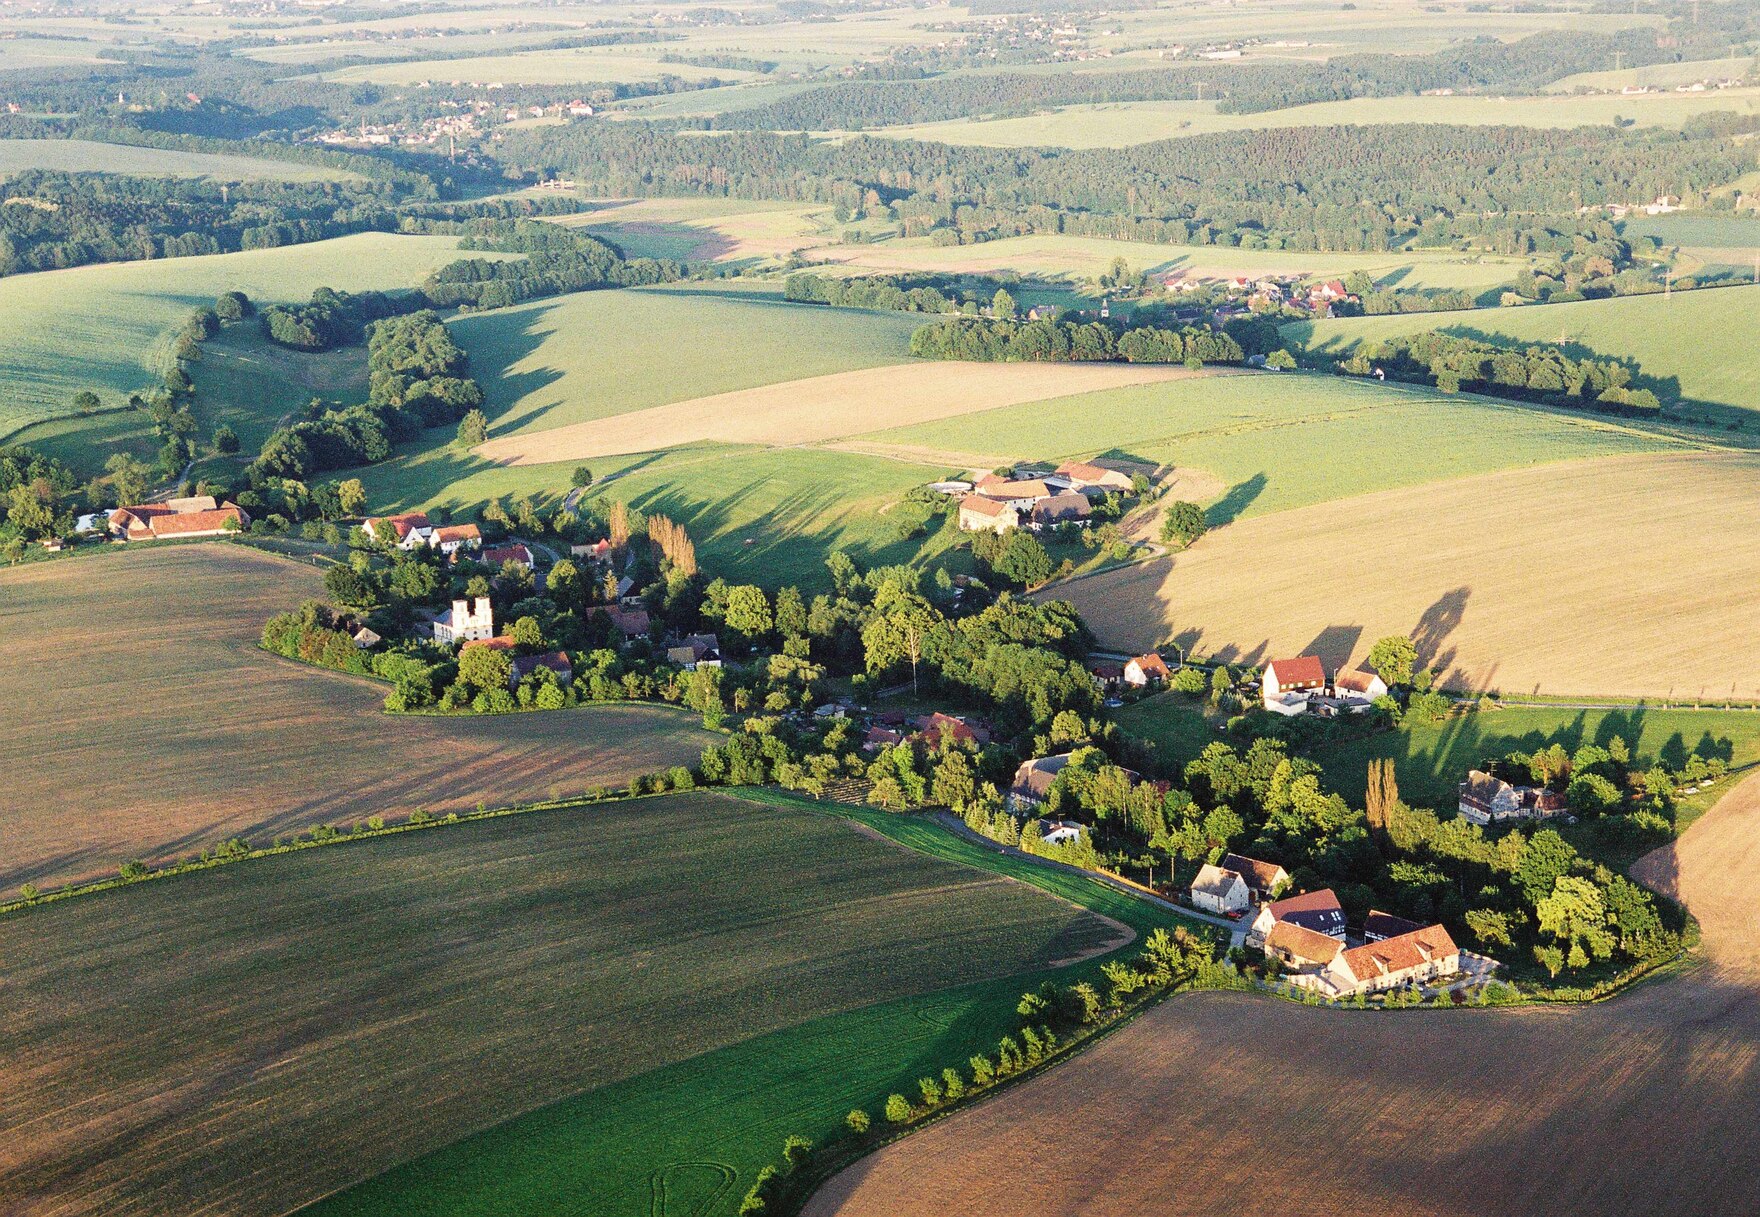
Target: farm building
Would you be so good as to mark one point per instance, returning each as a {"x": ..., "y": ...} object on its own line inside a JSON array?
[
  {"x": 1220, "y": 891},
  {"x": 465, "y": 621},
  {"x": 1358, "y": 684},
  {"x": 411, "y": 528},
  {"x": 1424, "y": 954},
  {"x": 1066, "y": 508},
  {"x": 182, "y": 519},
  {"x": 556, "y": 661},
  {"x": 1318, "y": 911},
  {"x": 1085, "y": 475},
  {"x": 1485, "y": 799},
  {"x": 1021, "y": 495},
  {"x": 500, "y": 555},
  {"x": 1379, "y": 926},
  {"x": 696, "y": 651},
  {"x": 1032, "y": 780},
  {"x": 1290, "y": 682},
  {"x": 938, "y": 730},
  {"x": 1264, "y": 880},
  {"x": 1106, "y": 675},
  {"x": 980, "y": 514},
  {"x": 1059, "y": 832},
  {"x": 1147, "y": 670},
  {"x": 881, "y": 737},
  {"x": 1301, "y": 949},
  {"x": 599, "y": 551},
  {"x": 631, "y": 623},
  {"x": 450, "y": 538}
]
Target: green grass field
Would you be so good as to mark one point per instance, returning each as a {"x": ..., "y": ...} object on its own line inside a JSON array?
[
  {"x": 1666, "y": 75},
  {"x": 574, "y": 65},
  {"x": 1699, "y": 345},
  {"x": 1283, "y": 441},
  {"x": 1118, "y": 124},
  {"x": 88, "y": 156},
  {"x": 667, "y": 1142},
  {"x": 663, "y": 949},
  {"x": 1173, "y": 722},
  {"x": 108, "y": 328}
]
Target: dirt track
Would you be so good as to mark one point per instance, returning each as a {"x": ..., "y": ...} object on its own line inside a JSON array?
[{"x": 1641, "y": 1105}]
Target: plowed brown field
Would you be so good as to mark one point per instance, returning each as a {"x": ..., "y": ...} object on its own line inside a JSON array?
[
  {"x": 1216, "y": 1102},
  {"x": 138, "y": 719}
]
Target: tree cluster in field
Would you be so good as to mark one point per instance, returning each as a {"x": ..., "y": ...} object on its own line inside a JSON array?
[
  {"x": 902, "y": 293},
  {"x": 330, "y": 318},
  {"x": 36, "y": 499},
  {"x": 1507, "y": 190},
  {"x": 557, "y": 260},
  {"x": 417, "y": 379},
  {"x": 1543, "y": 372},
  {"x": 1070, "y": 342}
]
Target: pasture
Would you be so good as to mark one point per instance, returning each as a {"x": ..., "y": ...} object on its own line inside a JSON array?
[
  {"x": 135, "y": 680},
  {"x": 109, "y": 327},
  {"x": 1624, "y": 577},
  {"x": 553, "y": 66},
  {"x": 1524, "y": 1112},
  {"x": 537, "y": 957},
  {"x": 1697, "y": 346},
  {"x": 703, "y": 230},
  {"x": 1118, "y": 124},
  {"x": 89, "y": 156},
  {"x": 1663, "y": 75}
]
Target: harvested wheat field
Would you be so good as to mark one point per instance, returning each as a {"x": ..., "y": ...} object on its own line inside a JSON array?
[
  {"x": 248, "y": 1039},
  {"x": 823, "y": 407},
  {"x": 1643, "y": 1104},
  {"x": 1620, "y": 576},
  {"x": 141, "y": 721}
]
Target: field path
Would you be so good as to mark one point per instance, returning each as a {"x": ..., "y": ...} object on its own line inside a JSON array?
[
  {"x": 1642, "y": 1104},
  {"x": 822, "y": 408}
]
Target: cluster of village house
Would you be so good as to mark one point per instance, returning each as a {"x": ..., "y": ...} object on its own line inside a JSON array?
[
  {"x": 174, "y": 519},
  {"x": 995, "y": 503},
  {"x": 1298, "y": 686},
  {"x": 1272, "y": 292},
  {"x": 449, "y": 126},
  {"x": 1307, "y": 934}
]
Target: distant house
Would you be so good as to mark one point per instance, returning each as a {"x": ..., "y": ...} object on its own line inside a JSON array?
[
  {"x": 598, "y": 551},
  {"x": 1358, "y": 684},
  {"x": 881, "y": 737},
  {"x": 980, "y": 514},
  {"x": 466, "y": 621},
  {"x": 1220, "y": 891},
  {"x": 1318, "y": 911},
  {"x": 1264, "y": 880},
  {"x": 1301, "y": 949},
  {"x": 366, "y": 639},
  {"x": 939, "y": 729},
  {"x": 1067, "y": 508},
  {"x": 1290, "y": 682},
  {"x": 556, "y": 661},
  {"x": 1425, "y": 954},
  {"x": 498, "y": 555},
  {"x": 631, "y": 623},
  {"x": 1032, "y": 780},
  {"x": 450, "y": 538},
  {"x": 1021, "y": 495},
  {"x": 412, "y": 528},
  {"x": 1485, "y": 800},
  {"x": 180, "y": 519},
  {"x": 1085, "y": 475},
  {"x": 1146, "y": 670},
  {"x": 1379, "y": 926},
  {"x": 1106, "y": 675},
  {"x": 1059, "y": 832},
  {"x": 696, "y": 651}
]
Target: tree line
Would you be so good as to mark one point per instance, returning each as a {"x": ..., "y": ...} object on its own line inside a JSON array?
[
  {"x": 1071, "y": 342},
  {"x": 1543, "y": 372}
]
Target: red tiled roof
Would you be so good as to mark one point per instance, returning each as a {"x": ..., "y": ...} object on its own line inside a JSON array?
[
  {"x": 498, "y": 554},
  {"x": 983, "y": 506},
  {"x": 630, "y": 621},
  {"x": 1356, "y": 680},
  {"x": 1399, "y": 954},
  {"x": 1322, "y": 901},
  {"x": 457, "y": 532},
  {"x": 556, "y": 661},
  {"x": 501, "y": 642},
  {"x": 402, "y": 523},
  {"x": 1303, "y": 943},
  {"x": 1153, "y": 665},
  {"x": 1303, "y": 669},
  {"x": 186, "y": 523},
  {"x": 948, "y": 727},
  {"x": 1260, "y": 876}
]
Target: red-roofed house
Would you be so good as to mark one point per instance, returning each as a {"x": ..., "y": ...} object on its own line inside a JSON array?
[
  {"x": 1290, "y": 682},
  {"x": 556, "y": 661},
  {"x": 1082, "y": 475},
  {"x": 412, "y": 528},
  {"x": 1301, "y": 949},
  {"x": 938, "y": 729},
  {"x": 182, "y": 519},
  {"x": 881, "y": 737},
  {"x": 631, "y": 623},
  {"x": 1147, "y": 670},
  {"x": 450, "y": 538},
  {"x": 498, "y": 554},
  {"x": 1318, "y": 911},
  {"x": 1426, "y": 954},
  {"x": 980, "y": 514}
]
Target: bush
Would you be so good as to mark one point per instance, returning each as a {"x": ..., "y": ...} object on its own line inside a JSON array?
[
  {"x": 898, "y": 1109},
  {"x": 857, "y": 1121},
  {"x": 1189, "y": 681}
]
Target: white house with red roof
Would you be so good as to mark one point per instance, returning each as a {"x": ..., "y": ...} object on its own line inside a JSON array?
[
  {"x": 1289, "y": 683},
  {"x": 451, "y": 538},
  {"x": 499, "y": 555},
  {"x": 1318, "y": 911},
  {"x": 1265, "y": 880},
  {"x": 1146, "y": 670},
  {"x": 412, "y": 528},
  {"x": 978, "y": 513},
  {"x": 1422, "y": 955}
]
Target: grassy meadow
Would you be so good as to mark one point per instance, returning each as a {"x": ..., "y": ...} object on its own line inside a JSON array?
[
  {"x": 89, "y": 156},
  {"x": 538, "y": 957},
  {"x": 572, "y": 65},
  {"x": 1620, "y": 577},
  {"x": 109, "y": 327},
  {"x": 134, "y": 678},
  {"x": 1173, "y": 722},
  {"x": 1697, "y": 346}
]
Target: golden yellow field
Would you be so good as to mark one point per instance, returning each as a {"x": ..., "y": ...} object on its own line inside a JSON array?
[
  {"x": 1620, "y": 576},
  {"x": 823, "y": 408},
  {"x": 1642, "y": 1104}
]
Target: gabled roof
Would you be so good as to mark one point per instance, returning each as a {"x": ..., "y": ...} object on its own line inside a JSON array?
[
  {"x": 1303, "y": 943},
  {"x": 977, "y": 504},
  {"x": 556, "y": 661},
  {"x": 1319, "y": 910},
  {"x": 1034, "y": 777},
  {"x": 1303, "y": 669},
  {"x": 1215, "y": 881},
  {"x": 496, "y": 555},
  {"x": 184, "y": 523},
  {"x": 404, "y": 523},
  {"x": 1032, "y": 488},
  {"x": 630, "y": 621},
  {"x": 946, "y": 726},
  {"x": 457, "y": 532},
  {"x": 1153, "y": 665},
  {"x": 1481, "y": 788},
  {"x": 1414, "y": 950},
  {"x": 1067, "y": 503},
  {"x": 1260, "y": 876},
  {"x": 1385, "y": 925},
  {"x": 1087, "y": 471},
  {"x": 1356, "y": 680},
  {"x": 501, "y": 642}
]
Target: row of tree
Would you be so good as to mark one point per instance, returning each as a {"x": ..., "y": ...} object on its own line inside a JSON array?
[{"x": 1071, "y": 342}]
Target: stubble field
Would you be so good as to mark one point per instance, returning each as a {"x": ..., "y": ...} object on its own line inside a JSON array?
[
  {"x": 1638, "y": 1105},
  {"x": 143, "y": 722},
  {"x": 317, "y": 1018},
  {"x": 1626, "y": 576}
]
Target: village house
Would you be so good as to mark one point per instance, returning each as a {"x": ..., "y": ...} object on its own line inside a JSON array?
[
  {"x": 366, "y": 639},
  {"x": 499, "y": 555},
  {"x": 1318, "y": 911},
  {"x": 465, "y": 621},
  {"x": 696, "y": 651},
  {"x": 1147, "y": 670},
  {"x": 1485, "y": 800},
  {"x": 1264, "y": 880},
  {"x": 1412, "y": 958},
  {"x": 598, "y": 551},
  {"x": 1379, "y": 926},
  {"x": 881, "y": 737},
  {"x": 180, "y": 519},
  {"x": 980, "y": 514},
  {"x": 1289, "y": 683},
  {"x": 1358, "y": 684},
  {"x": 556, "y": 661},
  {"x": 1066, "y": 508},
  {"x": 1084, "y": 475},
  {"x": 1059, "y": 832},
  {"x": 1021, "y": 495},
  {"x": 1106, "y": 675},
  {"x": 1219, "y": 891},
  {"x": 631, "y": 623},
  {"x": 1032, "y": 781},
  {"x": 411, "y": 528},
  {"x": 450, "y": 538},
  {"x": 1300, "y": 949},
  {"x": 938, "y": 730}
]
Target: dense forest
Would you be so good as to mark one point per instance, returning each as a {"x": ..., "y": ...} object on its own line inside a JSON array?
[{"x": 1504, "y": 189}]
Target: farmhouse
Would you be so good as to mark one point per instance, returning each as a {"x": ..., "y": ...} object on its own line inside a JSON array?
[
  {"x": 412, "y": 528},
  {"x": 1083, "y": 475},
  {"x": 1421, "y": 955},
  {"x": 1358, "y": 684},
  {"x": 599, "y": 551},
  {"x": 881, "y": 737},
  {"x": 466, "y": 621},
  {"x": 1106, "y": 675},
  {"x": 187, "y": 518},
  {"x": 980, "y": 514},
  {"x": 1059, "y": 832},
  {"x": 1032, "y": 780},
  {"x": 1146, "y": 670},
  {"x": 1264, "y": 880},
  {"x": 631, "y": 623},
  {"x": 1290, "y": 682},
  {"x": 1220, "y": 891},
  {"x": 1485, "y": 799},
  {"x": 696, "y": 651},
  {"x": 1318, "y": 911},
  {"x": 556, "y": 661},
  {"x": 499, "y": 555},
  {"x": 450, "y": 538},
  {"x": 1379, "y": 926},
  {"x": 1021, "y": 495},
  {"x": 937, "y": 730},
  {"x": 1066, "y": 508},
  {"x": 1301, "y": 949}
]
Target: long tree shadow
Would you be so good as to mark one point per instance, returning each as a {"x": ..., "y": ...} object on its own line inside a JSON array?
[{"x": 1239, "y": 497}]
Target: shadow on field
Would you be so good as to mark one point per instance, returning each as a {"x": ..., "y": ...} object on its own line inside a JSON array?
[{"x": 1240, "y": 496}]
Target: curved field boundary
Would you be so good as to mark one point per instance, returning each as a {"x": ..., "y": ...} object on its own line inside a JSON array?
[
  {"x": 664, "y": 1181},
  {"x": 823, "y": 408}
]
